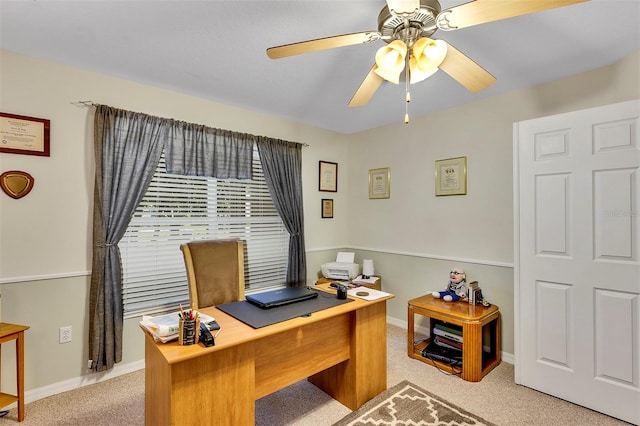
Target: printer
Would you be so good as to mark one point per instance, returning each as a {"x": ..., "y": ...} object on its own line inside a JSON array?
[{"x": 342, "y": 269}]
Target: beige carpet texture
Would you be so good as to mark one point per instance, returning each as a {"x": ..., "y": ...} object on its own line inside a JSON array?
[{"x": 496, "y": 399}]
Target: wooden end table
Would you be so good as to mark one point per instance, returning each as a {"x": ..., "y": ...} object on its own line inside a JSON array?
[
  {"x": 15, "y": 332},
  {"x": 480, "y": 327}
]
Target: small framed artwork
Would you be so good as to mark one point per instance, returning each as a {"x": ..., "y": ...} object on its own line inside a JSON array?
[
  {"x": 328, "y": 177},
  {"x": 327, "y": 208},
  {"x": 24, "y": 135},
  {"x": 380, "y": 183},
  {"x": 451, "y": 176}
]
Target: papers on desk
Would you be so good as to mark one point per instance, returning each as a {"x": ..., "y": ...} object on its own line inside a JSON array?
[
  {"x": 360, "y": 279},
  {"x": 164, "y": 328},
  {"x": 371, "y": 294}
]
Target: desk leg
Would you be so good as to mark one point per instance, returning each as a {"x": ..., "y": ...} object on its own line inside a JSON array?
[
  {"x": 20, "y": 373},
  {"x": 364, "y": 375}
]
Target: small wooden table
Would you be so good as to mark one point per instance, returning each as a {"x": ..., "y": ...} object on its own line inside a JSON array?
[
  {"x": 473, "y": 319},
  {"x": 15, "y": 332}
]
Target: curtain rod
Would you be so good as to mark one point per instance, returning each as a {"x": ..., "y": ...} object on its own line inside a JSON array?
[
  {"x": 83, "y": 103},
  {"x": 92, "y": 104}
]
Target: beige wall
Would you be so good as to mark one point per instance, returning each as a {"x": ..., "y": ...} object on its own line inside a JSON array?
[{"x": 413, "y": 237}]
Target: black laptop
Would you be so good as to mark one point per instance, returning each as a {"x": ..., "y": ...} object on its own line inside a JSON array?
[{"x": 282, "y": 296}]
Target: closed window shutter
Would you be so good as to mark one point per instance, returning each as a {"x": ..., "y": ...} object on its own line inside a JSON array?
[{"x": 178, "y": 209}]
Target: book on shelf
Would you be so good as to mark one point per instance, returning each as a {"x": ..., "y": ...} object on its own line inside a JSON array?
[
  {"x": 472, "y": 288},
  {"x": 447, "y": 343},
  {"x": 449, "y": 329},
  {"x": 450, "y": 333}
]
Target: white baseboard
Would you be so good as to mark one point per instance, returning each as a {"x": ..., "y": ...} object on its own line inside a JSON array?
[
  {"x": 78, "y": 382},
  {"x": 506, "y": 357}
]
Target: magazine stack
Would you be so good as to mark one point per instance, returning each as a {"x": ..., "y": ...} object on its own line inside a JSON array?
[{"x": 447, "y": 337}]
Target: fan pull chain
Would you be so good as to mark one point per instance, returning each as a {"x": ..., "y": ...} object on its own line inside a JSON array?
[{"x": 406, "y": 89}]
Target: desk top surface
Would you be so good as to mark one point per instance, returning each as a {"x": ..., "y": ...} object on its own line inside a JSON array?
[{"x": 234, "y": 332}]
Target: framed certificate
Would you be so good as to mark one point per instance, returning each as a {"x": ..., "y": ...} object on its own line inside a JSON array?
[
  {"x": 451, "y": 176},
  {"x": 328, "y": 177},
  {"x": 380, "y": 183},
  {"x": 327, "y": 208},
  {"x": 24, "y": 135}
]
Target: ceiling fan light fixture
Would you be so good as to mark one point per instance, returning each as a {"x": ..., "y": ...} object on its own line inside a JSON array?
[
  {"x": 417, "y": 75},
  {"x": 390, "y": 61},
  {"x": 429, "y": 53}
]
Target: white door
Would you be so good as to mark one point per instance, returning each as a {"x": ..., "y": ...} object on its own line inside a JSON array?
[{"x": 577, "y": 227}]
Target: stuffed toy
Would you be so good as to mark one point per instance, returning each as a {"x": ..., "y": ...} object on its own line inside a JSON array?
[{"x": 456, "y": 289}]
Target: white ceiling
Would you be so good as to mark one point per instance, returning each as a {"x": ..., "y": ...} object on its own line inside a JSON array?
[{"x": 216, "y": 50}]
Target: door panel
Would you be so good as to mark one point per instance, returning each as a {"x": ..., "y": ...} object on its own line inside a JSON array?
[
  {"x": 551, "y": 214},
  {"x": 577, "y": 268}
]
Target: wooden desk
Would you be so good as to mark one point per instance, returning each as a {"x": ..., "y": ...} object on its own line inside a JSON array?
[
  {"x": 15, "y": 332},
  {"x": 342, "y": 350},
  {"x": 473, "y": 319}
]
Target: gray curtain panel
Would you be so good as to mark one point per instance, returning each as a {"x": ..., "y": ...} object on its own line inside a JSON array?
[
  {"x": 282, "y": 167},
  {"x": 128, "y": 147}
]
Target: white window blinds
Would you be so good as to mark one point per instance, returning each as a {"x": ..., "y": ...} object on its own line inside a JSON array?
[{"x": 177, "y": 209}]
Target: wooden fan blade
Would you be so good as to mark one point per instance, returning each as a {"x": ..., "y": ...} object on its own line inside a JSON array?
[
  {"x": 322, "y": 44},
  {"x": 465, "y": 71},
  {"x": 367, "y": 89},
  {"x": 483, "y": 11},
  {"x": 403, "y": 6}
]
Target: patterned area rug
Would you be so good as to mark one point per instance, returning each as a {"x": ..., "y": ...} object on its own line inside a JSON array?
[{"x": 408, "y": 404}]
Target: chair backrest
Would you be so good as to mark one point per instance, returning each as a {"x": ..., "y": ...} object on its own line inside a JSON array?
[{"x": 215, "y": 271}]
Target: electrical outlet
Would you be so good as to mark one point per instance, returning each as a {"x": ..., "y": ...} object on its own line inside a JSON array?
[{"x": 65, "y": 334}]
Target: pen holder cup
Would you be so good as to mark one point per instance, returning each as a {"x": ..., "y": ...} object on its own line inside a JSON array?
[
  {"x": 189, "y": 332},
  {"x": 342, "y": 292}
]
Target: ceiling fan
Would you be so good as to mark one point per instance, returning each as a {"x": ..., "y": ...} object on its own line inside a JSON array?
[{"x": 407, "y": 26}]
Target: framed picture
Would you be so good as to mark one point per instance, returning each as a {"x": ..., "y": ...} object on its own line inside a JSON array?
[
  {"x": 380, "y": 183},
  {"x": 328, "y": 177},
  {"x": 327, "y": 208},
  {"x": 451, "y": 176},
  {"x": 24, "y": 135}
]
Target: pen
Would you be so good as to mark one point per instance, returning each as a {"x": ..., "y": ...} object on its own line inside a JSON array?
[{"x": 182, "y": 312}]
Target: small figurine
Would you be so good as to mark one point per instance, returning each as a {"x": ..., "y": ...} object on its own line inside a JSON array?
[{"x": 456, "y": 289}]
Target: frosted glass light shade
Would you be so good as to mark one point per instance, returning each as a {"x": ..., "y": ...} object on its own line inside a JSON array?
[
  {"x": 417, "y": 74},
  {"x": 429, "y": 54},
  {"x": 367, "y": 267},
  {"x": 390, "y": 61}
]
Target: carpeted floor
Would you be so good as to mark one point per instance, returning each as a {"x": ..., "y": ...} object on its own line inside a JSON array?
[{"x": 120, "y": 401}]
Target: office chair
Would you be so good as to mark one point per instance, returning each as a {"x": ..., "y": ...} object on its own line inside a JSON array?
[{"x": 215, "y": 271}]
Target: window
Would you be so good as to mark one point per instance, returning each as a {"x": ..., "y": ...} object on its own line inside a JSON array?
[{"x": 177, "y": 209}]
